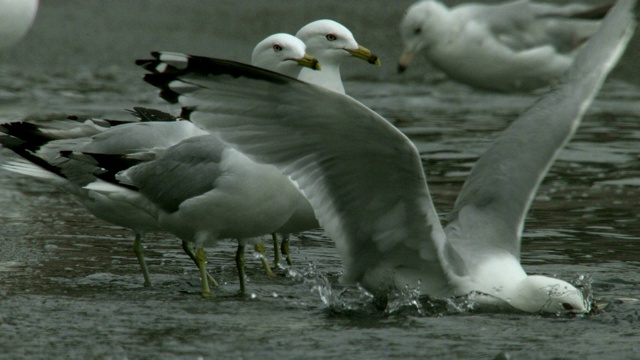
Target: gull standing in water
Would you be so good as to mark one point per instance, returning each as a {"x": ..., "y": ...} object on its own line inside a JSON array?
[
  {"x": 365, "y": 180},
  {"x": 41, "y": 143},
  {"x": 513, "y": 46},
  {"x": 238, "y": 198},
  {"x": 330, "y": 43}
]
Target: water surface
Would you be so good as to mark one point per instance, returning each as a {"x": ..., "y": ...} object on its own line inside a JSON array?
[{"x": 70, "y": 286}]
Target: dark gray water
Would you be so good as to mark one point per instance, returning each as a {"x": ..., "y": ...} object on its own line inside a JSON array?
[{"x": 70, "y": 285}]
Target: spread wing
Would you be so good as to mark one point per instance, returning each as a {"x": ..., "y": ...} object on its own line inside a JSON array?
[
  {"x": 491, "y": 208},
  {"x": 362, "y": 176}
]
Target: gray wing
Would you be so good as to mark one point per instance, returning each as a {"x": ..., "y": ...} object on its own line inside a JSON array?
[
  {"x": 362, "y": 176},
  {"x": 123, "y": 139},
  {"x": 134, "y": 137},
  {"x": 490, "y": 210},
  {"x": 185, "y": 170}
]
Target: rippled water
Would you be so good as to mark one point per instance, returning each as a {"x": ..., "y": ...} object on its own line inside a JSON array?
[{"x": 70, "y": 286}]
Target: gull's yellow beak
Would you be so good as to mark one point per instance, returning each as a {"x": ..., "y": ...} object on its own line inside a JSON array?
[
  {"x": 308, "y": 61},
  {"x": 365, "y": 54}
]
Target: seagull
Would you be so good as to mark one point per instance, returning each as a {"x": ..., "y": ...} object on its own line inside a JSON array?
[
  {"x": 330, "y": 43},
  {"x": 16, "y": 18},
  {"x": 327, "y": 41},
  {"x": 518, "y": 45},
  {"x": 40, "y": 145},
  {"x": 237, "y": 198},
  {"x": 203, "y": 190},
  {"x": 365, "y": 180}
]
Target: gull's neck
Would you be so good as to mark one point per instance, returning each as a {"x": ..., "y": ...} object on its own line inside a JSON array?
[
  {"x": 498, "y": 276},
  {"x": 328, "y": 77}
]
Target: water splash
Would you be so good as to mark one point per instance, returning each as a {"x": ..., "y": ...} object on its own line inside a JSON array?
[
  {"x": 583, "y": 283},
  {"x": 476, "y": 302},
  {"x": 337, "y": 298},
  {"x": 405, "y": 299},
  {"x": 344, "y": 300}
]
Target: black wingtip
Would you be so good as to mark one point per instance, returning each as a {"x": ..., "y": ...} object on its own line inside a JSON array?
[
  {"x": 11, "y": 142},
  {"x": 113, "y": 162},
  {"x": 161, "y": 81},
  {"x": 162, "y": 76},
  {"x": 110, "y": 165},
  {"x": 30, "y": 133},
  {"x": 185, "y": 112},
  {"x": 23, "y": 149},
  {"x": 146, "y": 115}
]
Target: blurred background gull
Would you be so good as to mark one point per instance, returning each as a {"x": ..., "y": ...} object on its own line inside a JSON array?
[{"x": 16, "y": 18}]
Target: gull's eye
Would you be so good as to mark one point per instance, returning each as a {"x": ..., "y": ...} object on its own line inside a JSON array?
[
  {"x": 277, "y": 48},
  {"x": 331, "y": 37},
  {"x": 567, "y": 306},
  {"x": 417, "y": 31}
]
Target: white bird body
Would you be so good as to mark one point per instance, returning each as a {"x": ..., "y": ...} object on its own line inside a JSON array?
[
  {"x": 366, "y": 183},
  {"x": 203, "y": 190},
  {"x": 205, "y": 178},
  {"x": 514, "y": 46}
]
